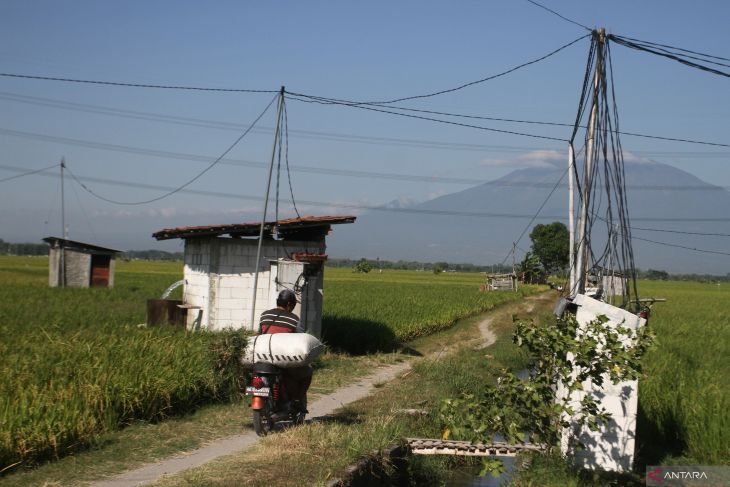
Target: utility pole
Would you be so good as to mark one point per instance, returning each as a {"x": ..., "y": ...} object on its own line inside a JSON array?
[
  {"x": 514, "y": 249},
  {"x": 63, "y": 230},
  {"x": 266, "y": 205},
  {"x": 514, "y": 270},
  {"x": 582, "y": 256}
]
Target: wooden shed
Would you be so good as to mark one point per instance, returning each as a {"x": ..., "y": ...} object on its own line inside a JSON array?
[
  {"x": 79, "y": 264},
  {"x": 220, "y": 264},
  {"x": 501, "y": 282}
]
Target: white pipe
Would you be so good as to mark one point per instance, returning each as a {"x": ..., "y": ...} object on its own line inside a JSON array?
[{"x": 571, "y": 217}]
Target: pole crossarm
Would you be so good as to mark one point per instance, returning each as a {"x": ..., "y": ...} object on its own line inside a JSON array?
[{"x": 426, "y": 446}]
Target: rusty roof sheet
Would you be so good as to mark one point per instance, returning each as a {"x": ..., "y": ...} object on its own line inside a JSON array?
[{"x": 252, "y": 229}]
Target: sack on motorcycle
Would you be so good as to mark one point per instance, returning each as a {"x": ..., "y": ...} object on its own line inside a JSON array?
[{"x": 283, "y": 349}]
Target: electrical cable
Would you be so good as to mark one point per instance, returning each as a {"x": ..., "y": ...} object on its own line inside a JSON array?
[
  {"x": 219, "y": 125},
  {"x": 676, "y": 48},
  {"x": 537, "y": 213},
  {"x": 29, "y": 173},
  {"x": 561, "y": 16},
  {"x": 680, "y": 246},
  {"x": 134, "y": 85},
  {"x": 189, "y": 182},
  {"x": 676, "y": 57},
  {"x": 221, "y": 194},
  {"x": 83, "y": 211},
  {"x": 447, "y": 122},
  {"x": 681, "y": 232},
  {"x": 472, "y": 83},
  {"x": 286, "y": 157}
]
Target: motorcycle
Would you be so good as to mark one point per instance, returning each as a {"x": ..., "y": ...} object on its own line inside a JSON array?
[{"x": 269, "y": 402}]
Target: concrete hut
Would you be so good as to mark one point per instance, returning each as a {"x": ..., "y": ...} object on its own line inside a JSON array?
[
  {"x": 79, "y": 264},
  {"x": 220, "y": 264}
]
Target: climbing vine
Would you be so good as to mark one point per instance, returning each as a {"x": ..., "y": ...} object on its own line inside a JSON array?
[{"x": 562, "y": 356}]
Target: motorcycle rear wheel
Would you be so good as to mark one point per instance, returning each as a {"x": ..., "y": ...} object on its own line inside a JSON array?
[{"x": 262, "y": 421}]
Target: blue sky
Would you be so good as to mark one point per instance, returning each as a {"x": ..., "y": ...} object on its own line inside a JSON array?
[{"x": 364, "y": 50}]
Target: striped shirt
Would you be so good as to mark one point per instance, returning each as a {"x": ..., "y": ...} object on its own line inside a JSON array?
[{"x": 278, "y": 320}]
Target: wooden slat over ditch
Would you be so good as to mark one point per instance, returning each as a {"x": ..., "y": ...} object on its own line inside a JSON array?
[{"x": 425, "y": 446}]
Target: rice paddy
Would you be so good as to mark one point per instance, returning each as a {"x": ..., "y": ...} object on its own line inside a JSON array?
[
  {"x": 684, "y": 401},
  {"x": 77, "y": 362}
]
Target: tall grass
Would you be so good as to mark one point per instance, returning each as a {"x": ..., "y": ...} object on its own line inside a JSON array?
[
  {"x": 74, "y": 364},
  {"x": 684, "y": 402}
]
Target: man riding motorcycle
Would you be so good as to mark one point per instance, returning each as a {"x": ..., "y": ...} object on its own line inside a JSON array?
[{"x": 282, "y": 320}]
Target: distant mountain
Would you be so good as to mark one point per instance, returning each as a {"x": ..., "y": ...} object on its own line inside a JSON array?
[{"x": 435, "y": 231}]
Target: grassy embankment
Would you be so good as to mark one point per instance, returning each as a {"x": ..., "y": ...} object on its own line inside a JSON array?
[{"x": 76, "y": 367}]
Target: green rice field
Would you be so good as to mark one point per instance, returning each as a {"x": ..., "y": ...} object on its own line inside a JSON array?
[
  {"x": 684, "y": 401},
  {"x": 77, "y": 362},
  {"x": 365, "y": 312}
]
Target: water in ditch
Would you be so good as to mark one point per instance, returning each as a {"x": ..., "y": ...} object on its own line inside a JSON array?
[{"x": 469, "y": 477}]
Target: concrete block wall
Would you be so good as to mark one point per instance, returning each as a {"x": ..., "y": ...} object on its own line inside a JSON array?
[
  {"x": 77, "y": 266},
  {"x": 219, "y": 275}
]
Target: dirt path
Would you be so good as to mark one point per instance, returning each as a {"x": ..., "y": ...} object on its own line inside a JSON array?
[
  {"x": 322, "y": 407},
  {"x": 485, "y": 329}
]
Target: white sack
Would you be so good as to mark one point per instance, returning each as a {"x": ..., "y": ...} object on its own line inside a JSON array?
[{"x": 282, "y": 349}]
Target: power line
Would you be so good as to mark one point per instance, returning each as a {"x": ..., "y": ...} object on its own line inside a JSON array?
[
  {"x": 447, "y": 122},
  {"x": 472, "y": 83},
  {"x": 335, "y": 101},
  {"x": 674, "y": 56},
  {"x": 220, "y": 194},
  {"x": 397, "y": 210},
  {"x": 680, "y": 246},
  {"x": 325, "y": 170},
  {"x": 29, "y": 173},
  {"x": 189, "y": 182},
  {"x": 676, "y": 48},
  {"x": 708, "y": 234},
  {"x": 547, "y": 198},
  {"x": 134, "y": 85},
  {"x": 557, "y": 14},
  {"x": 339, "y": 137}
]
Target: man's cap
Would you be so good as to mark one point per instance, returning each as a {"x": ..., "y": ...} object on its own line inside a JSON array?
[{"x": 287, "y": 296}]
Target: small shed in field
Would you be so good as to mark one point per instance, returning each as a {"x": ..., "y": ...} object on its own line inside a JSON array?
[
  {"x": 501, "y": 282},
  {"x": 79, "y": 264},
  {"x": 220, "y": 263}
]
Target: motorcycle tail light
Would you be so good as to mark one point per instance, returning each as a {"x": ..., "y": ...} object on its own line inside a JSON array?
[{"x": 257, "y": 382}]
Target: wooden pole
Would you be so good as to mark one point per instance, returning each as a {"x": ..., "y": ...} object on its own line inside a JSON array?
[{"x": 266, "y": 205}]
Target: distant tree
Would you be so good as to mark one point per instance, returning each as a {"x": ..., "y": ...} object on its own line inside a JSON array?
[
  {"x": 656, "y": 275},
  {"x": 362, "y": 266},
  {"x": 532, "y": 269},
  {"x": 551, "y": 245}
]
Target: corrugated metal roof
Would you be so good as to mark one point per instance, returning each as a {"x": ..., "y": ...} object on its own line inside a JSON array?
[
  {"x": 252, "y": 229},
  {"x": 80, "y": 245}
]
